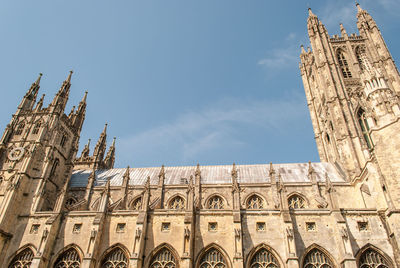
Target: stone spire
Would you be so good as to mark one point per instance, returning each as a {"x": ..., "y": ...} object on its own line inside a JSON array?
[
  {"x": 101, "y": 146},
  {"x": 39, "y": 105},
  {"x": 343, "y": 30},
  {"x": 29, "y": 100},
  {"x": 80, "y": 113},
  {"x": 86, "y": 150},
  {"x": 110, "y": 157},
  {"x": 60, "y": 100}
]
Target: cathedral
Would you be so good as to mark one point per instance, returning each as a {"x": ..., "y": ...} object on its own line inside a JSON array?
[{"x": 60, "y": 208}]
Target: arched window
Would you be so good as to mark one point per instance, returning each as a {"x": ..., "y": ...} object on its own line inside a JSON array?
[
  {"x": 295, "y": 202},
  {"x": 70, "y": 202},
  {"x": 177, "y": 203},
  {"x": 344, "y": 66},
  {"x": 54, "y": 167},
  {"x": 360, "y": 54},
  {"x": 317, "y": 259},
  {"x": 215, "y": 202},
  {"x": 137, "y": 204},
  {"x": 254, "y": 202},
  {"x": 23, "y": 259},
  {"x": 264, "y": 259},
  {"x": 213, "y": 259},
  {"x": 36, "y": 128},
  {"x": 163, "y": 259},
  {"x": 362, "y": 120},
  {"x": 68, "y": 259},
  {"x": 115, "y": 259},
  {"x": 372, "y": 259},
  {"x": 20, "y": 129}
]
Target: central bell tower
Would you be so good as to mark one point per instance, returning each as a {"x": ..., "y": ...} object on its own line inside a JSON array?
[{"x": 352, "y": 89}]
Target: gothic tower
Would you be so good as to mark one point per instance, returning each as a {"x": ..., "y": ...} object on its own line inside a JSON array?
[
  {"x": 352, "y": 87},
  {"x": 37, "y": 151}
]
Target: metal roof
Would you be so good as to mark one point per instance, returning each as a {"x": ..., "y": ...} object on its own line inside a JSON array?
[{"x": 291, "y": 173}]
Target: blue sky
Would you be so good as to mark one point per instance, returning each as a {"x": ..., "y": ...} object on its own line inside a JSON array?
[{"x": 179, "y": 82}]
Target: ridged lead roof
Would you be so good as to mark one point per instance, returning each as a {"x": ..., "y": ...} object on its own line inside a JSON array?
[{"x": 209, "y": 174}]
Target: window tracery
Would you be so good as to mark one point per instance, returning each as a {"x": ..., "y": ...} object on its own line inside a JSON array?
[
  {"x": 115, "y": 259},
  {"x": 264, "y": 259},
  {"x": 177, "y": 203},
  {"x": 215, "y": 202},
  {"x": 296, "y": 202},
  {"x": 68, "y": 259},
  {"x": 137, "y": 204},
  {"x": 70, "y": 202},
  {"x": 163, "y": 259},
  {"x": 23, "y": 259},
  {"x": 343, "y": 64},
  {"x": 36, "y": 128},
  {"x": 20, "y": 129},
  {"x": 254, "y": 202},
  {"x": 213, "y": 259},
  {"x": 372, "y": 259},
  {"x": 362, "y": 121},
  {"x": 317, "y": 259}
]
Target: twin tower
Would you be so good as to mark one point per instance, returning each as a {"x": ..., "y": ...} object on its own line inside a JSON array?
[{"x": 59, "y": 210}]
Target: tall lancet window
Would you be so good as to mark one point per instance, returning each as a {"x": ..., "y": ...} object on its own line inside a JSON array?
[
  {"x": 362, "y": 59},
  {"x": 344, "y": 66},
  {"x": 362, "y": 120}
]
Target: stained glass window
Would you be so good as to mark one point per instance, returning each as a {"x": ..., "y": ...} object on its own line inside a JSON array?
[
  {"x": 296, "y": 202},
  {"x": 264, "y": 259},
  {"x": 177, "y": 203},
  {"x": 215, "y": 202},
  {"x": 372, "y": 259},
  {"x": 115, "y": 259},
  {"x": 317, "y": 259},
  {"x": 163, "y": 259},
  {"x": 68, "y": 259},
  {"x": 213, "y": 259},
  {"x": 23, "y": 259},
  {"x": 255, "y": 202}
]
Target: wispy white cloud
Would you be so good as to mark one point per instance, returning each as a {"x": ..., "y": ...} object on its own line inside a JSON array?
[
  {"x": 282, "y": 57},
  {"x": 391, "y": 6},
  {"x": 333, "y": 14},
  {"x": 213, "y": 128}
]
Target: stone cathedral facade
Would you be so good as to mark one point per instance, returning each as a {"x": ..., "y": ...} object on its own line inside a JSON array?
[{"x": 59, "y": 208}]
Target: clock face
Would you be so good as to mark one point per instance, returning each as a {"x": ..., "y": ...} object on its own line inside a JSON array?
[{"x": 16, "y": 154}]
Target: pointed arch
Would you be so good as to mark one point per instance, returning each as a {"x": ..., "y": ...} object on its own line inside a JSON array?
[
  {"x": 213, "y": 256},
  {"x": 316, "y": 256},
  {"x": 364, "y": 126},
  {"x": 95, "y": 204},
  {"x": 20, "y": 127},
  {"x": 69, "y": 257},
  {"x": 136, "y": 203},
  {"x": 343, "y": 64},
  {"x": 37, "y": 125},
  {"x": 23, "y": 257},
  {"x": 215, "y": 201},
  {"x": 163, "y": 256},
  {"x": 370, "y": 256},
  {"x": 297, "y": 200},
  {"x": 116, "y": 256},
  {"x": 176, "y": 202},
  {"x": 263, "y": 256},
  {"x": 254, "y": 201}
]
